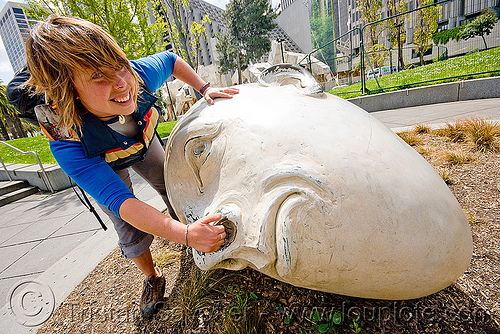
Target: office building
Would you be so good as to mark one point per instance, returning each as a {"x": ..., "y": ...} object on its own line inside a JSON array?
[
  {"x": 14, "y": 28},
  {"x": 294, "y": 21}
]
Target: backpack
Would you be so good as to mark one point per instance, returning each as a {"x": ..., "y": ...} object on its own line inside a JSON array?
[{"x": 23, "y": 101}]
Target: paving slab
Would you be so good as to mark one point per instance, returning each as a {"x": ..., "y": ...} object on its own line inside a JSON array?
[
  {"x": 83, "y": 222},
  {"x": 8, "y": 232},
  {"x": 15, "y": 213},
  {"x": 45, "y": 254},
  {"x": 60, "y": 204},
  {"x": 37, "y": 231},
  {"x": 10, "y": 255}
]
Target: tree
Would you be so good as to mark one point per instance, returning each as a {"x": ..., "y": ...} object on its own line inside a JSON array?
[
  {"x": 228, "y": 52},
  {"x": 396, "y": 26},
  {"x": 128, "y": 21},
  {"x": 425, "y": 27},
  {"x": 480, "y": 26},
  {"x": 9, "y": 115},
  {"x": 370, "y": 9},
  {"x": 322, "y": 32},
  {"x": 184, "y": 36},
  {"x": 248, "y": 25},
  {"x": 4, "y": 133}
]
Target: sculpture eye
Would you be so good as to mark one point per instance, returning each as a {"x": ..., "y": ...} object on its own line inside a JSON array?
[
  {"x": 200, "y": 148},
  {"x": 197, "y": 150}
]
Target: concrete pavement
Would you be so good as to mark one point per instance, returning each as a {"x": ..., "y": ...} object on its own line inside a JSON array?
[
  {"x": 438, "y": 114},
  {"x": 54, "y": 239}
]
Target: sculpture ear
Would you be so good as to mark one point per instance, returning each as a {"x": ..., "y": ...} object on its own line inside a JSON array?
[{"x": 198, "y": 148}]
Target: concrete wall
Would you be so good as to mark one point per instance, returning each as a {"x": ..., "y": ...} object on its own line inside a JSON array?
[
  {"x": 34, "y": 175},
  {"x": 483, "y": 88},
  {"x": 294, "y": 20}
]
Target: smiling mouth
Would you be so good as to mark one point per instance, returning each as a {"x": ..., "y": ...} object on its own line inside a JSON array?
[{"x": 123, "y": 99}]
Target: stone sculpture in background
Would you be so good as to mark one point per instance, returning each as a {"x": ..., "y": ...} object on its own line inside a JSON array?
[{"x": 317, "y": 193}]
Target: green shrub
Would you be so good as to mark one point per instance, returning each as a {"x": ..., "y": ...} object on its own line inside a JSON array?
[{"x": 443, "y": 37}]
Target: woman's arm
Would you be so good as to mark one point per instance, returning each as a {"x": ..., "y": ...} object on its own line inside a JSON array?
[
  {"x": 201, "y": 235},
  {"x": 98, "y": 179},
  {"x": 185, "y": 73}
]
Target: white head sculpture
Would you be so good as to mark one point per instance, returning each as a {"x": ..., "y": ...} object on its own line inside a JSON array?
[{"x": 316, "y": 193}]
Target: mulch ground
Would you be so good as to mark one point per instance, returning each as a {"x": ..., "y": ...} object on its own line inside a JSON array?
[{"x": 249, "y": 302}]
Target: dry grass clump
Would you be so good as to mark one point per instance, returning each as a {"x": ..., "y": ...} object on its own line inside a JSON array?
[
  {"x": 239, "y": 317},
  {"x": 166, "y": 257},
  {"x": 423, "y": 150},
  {"x": 422, "y": 128},
  {"x": 411, "y": 138},
  {"x": 195, "y": 305},
  {"x": 455, "y": 132},
  {"x": 458, "y": 157},
  {"x": 445, "y": 175},
  {"x": 473, "y": 220},
  {"x": 482, "y": 133},
  {"x": 193, "y": 296}
]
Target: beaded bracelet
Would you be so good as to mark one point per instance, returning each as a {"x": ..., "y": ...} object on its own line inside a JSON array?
[{"x": 204, "y": 88}]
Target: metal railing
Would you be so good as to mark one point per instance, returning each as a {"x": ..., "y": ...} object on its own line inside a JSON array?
[
  {"x": 45, "y": 177},
  {"x": 362, "y": 56}
]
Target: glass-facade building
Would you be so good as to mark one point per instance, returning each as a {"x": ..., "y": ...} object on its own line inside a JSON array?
[{"x": 14, "y": 28}]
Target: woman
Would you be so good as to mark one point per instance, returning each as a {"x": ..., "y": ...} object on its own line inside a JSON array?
[{"x": 100, "y": 120}]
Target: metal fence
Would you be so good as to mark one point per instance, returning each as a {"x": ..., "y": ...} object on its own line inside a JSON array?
[
  {"x": 44, "y": 173},
  {"x": 354, "y": 64}
]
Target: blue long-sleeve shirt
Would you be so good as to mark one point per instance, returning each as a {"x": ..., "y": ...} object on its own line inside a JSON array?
[{"x": 93, "y": 174}]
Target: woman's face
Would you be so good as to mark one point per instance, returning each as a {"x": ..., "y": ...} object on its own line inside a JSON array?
[{"x": 106, "y": 93}]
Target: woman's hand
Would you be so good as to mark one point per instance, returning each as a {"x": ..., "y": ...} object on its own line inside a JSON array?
[
  {"x": 205, "y": 237},
  {"x": 211, "y": 93}
]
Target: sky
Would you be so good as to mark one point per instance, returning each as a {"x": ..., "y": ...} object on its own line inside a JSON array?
[{"x": 6, "y": 72}]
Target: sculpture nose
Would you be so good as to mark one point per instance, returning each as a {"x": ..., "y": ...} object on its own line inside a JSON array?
[
  {"x": 230, "y": 229},
  {"x": 241, "y": 246}
]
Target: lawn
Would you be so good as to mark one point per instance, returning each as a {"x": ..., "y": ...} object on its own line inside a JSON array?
[
  {"x": 475, "y": 62},
  {"x": 40, "y": 145},
  {"x": 165, "y": 128}
]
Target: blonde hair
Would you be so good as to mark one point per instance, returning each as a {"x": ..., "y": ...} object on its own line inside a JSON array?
[{"x": 59, "y": 46}]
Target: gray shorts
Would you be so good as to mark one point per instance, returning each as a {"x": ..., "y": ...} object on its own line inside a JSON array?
[{"x": 134, "y": 242}]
